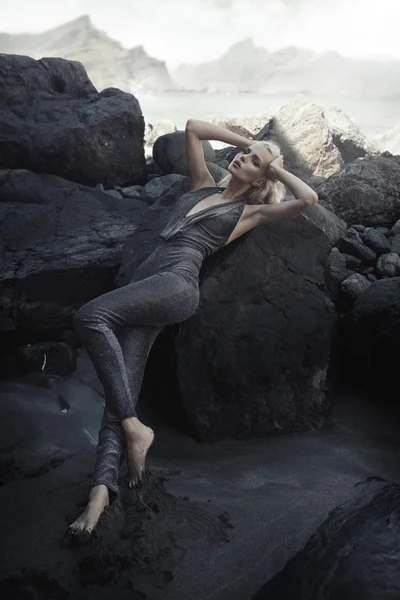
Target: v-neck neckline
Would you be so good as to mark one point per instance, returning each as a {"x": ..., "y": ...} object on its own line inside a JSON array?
[{"x": 185, "y": 217}]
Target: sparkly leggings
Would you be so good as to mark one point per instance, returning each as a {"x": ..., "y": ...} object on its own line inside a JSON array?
[{"x": 118, "y": 330}]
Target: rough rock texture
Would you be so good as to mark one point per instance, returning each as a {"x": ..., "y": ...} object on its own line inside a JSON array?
[
  {"x": 335, "y": 271},
  {"x": 352, "y": 287},
  {"x": 372, "y": 337},
  {"x": 327, "y": 221},
  {"x": 375, "y": 240},
  {"x": 52, "y": 120},
  {"x": 353, "y": 244},
  {"x": 388, "y": 265},
  {"x": 367, "y": 191},
  {"x": 169, "y": 152},
  {"x": 61, "y": 244},
  {"x": 247, "y": 126},
  {"x": 260, "y": 341},
  {"x": 261, "y": 338},
  {"x": 354, "y": 554},
  {"x": 352, "y": 262},
  {"x": 315, "y": 140},
  {"x": 394, "y": 244}
]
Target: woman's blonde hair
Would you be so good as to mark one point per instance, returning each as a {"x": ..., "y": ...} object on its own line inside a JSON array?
[{"x": 273, "y": 191}]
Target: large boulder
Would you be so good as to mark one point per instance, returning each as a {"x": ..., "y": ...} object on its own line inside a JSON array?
[
  {"x": 333, "y": 227},
  {"x": 371, "y": 337},
  {"x": 169, "y": 152},
  {"x": 367, "y": 191},
  {"x": 254, "y": 359},
  {"x": 246, "y": 125},
  {"x": 315, "y": 140},
  {"x": 53, "y": 120},
  {"x": 353, "y": 555},
  {"x": 60, "y": 247}
]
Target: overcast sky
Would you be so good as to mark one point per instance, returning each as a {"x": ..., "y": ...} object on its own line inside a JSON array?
[{"x": 196, "y": 30}]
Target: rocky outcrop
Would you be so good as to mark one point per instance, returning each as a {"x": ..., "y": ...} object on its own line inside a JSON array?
[
  {"x": 169, "y": 153},
  {"x": 315, "y": 140},
  {"x": 52, "y": 120},
  {"x": 366, "y": 191},
  {"x": 106, "y": 61},
  {"x": 60, "y": 247}
]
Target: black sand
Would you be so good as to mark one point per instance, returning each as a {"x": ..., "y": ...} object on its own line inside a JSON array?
[{"x": 209, "y": 521}]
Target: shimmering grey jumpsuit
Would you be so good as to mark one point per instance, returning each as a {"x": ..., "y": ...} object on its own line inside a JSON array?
[{"x": 163, "y": 291}]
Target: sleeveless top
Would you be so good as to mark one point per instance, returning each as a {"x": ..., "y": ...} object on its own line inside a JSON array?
[{"x": 188, "y": 240}]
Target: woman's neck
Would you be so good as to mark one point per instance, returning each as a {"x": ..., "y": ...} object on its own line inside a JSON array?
[{"x": 235, "y": 189}]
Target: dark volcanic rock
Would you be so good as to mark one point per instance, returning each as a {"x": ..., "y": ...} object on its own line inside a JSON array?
[
  {"x": 335, "y": 271},
  {"x": 353, "y": 244},
  {"x": 375, "y": 240},
  {"x": 366, "y": 191},
  {"x": 354, "y": 555},
  {"x": 327, "y": 221},
  {"x": 394, "y": 244},
  {"x": 371, "y": 336},
  {"x": 261, "y": 338},
  {"x": 352, "y": 287},
  {"x": 388, "y": 265},
  {"x": 53, "y": 120},
  {"x": 169, "y": 152},
  {"x": 61, "y": 245},
  {"x": 352, "y": 262}
]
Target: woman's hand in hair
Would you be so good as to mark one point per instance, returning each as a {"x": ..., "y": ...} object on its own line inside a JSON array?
[{"x": 275, "y": 162}]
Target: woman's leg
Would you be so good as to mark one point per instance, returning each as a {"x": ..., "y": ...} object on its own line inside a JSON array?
[
  {"x": 144, "y": 306},
  {"x": 136, "y": 343},
  {"x": 158, "y": 300},
  {"x": 109, "y": 457}
]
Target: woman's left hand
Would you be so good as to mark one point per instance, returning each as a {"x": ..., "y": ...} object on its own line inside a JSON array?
[{"x": 275, "y": 162}]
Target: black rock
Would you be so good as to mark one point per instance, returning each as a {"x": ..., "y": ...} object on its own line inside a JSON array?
[
  {"x": 366, "y": 191},
  {"x": 388, "y": 265},
  {"x": 169, "y": 153},
  {"x": 62, "y": 245},
  {"x": 352, "y": 244},
  {"x": 352, "y": 556},
  {"x": 53, "y": 120},
  {"x": 375, "y": 240},
  {"x": 352, "y": 262}
]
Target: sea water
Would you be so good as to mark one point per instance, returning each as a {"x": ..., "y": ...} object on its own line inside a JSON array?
[{"x": 373, "y": 116}]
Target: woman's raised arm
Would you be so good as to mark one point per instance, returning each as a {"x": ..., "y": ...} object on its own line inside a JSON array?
[
  {"x": 195, "y": 132},
  {"x": 305, "y": 196},
  {"x": 208, "y": 131}
]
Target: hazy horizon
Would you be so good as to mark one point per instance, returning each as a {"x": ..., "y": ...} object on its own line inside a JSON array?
[{"x": 202, "y": 30}]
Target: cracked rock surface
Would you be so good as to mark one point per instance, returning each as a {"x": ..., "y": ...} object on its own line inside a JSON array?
[{"x": 61, "y": 244}]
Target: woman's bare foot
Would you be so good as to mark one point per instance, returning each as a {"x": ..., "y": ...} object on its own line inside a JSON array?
[
  {"x": 138, "y": 438},
  {"x": 98, "y": 500}
]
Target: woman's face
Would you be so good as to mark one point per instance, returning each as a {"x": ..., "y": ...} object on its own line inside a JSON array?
[{"x": 251, "y": 163}]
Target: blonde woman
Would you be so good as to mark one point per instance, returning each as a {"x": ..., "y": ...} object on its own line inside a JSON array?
[{"x": 165, "y": 290}]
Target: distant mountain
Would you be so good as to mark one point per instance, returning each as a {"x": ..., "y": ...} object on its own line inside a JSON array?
[
  {"x": 107, "y": 63},
  {"x": 247, "y": 68}
]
